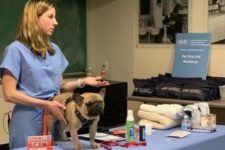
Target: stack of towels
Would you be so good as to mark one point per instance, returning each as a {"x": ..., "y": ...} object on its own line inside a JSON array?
[{"x": 163, "y": 116}]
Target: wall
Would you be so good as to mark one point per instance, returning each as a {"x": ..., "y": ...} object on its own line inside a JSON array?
[
  {"x": 5, "y": 107},
  {"x": 111, "y": 37},
  {"x": 112, "y": 29}
]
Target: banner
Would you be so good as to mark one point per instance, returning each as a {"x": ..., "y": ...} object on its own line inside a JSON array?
[{"x": 191, "y": 55}]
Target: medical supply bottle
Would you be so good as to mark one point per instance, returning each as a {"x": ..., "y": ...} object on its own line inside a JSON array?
[
  {"x": 186, "y": 123},
  {"x": 103, "y": 72},
  {"x": 130, "y": 131}
]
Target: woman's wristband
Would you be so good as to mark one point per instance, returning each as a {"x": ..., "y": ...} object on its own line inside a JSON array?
[{"x": 80, "y": 83}]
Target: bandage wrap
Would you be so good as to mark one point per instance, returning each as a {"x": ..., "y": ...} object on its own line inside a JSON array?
[{"x": 80, "y": 83}]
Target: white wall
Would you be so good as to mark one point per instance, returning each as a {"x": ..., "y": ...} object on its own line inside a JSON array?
[
  {"x": 112, "y": 28},
  {"x": 4, "y": 108},
  {"x": 111, "y": 37}
]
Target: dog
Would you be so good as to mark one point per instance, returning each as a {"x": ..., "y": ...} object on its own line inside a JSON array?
[{"x": 80, "y": 109}]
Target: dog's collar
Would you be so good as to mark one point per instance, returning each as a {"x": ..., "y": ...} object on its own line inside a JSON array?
[
  {"x": 82, "y": 119},
  {"x": 69, "y": 99}
]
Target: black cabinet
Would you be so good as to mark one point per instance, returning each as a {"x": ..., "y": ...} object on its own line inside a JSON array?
[{"x": 115, "y": 110}]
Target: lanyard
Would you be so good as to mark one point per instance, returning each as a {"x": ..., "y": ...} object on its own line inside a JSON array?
[{"x": 108, "y": 144}]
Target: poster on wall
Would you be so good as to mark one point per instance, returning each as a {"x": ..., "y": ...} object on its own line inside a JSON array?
[
  {"x": 160, "y": 20},
  {"x": 216, "y": 20},
  {"x": 191, "y": 55}
]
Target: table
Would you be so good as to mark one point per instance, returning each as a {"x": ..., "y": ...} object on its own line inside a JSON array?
[{"x": 159, "y": 141}]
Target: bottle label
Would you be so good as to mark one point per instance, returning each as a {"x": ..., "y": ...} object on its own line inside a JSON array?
[
  {"x": 130, "y": 134},
  {"x": 142, "y": 136}
]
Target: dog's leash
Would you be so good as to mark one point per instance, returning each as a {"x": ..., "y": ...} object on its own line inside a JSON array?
[
  {"x": 45, "y": 122},
  {"x": 108, "y": 144},
  {"x": 45, "y": 118}
]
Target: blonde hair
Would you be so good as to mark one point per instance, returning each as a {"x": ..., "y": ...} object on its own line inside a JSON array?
[{"x": 29, "y": 32}]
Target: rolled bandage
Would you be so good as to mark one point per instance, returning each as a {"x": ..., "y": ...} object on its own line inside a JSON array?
[{"x": 80, "y": 83}]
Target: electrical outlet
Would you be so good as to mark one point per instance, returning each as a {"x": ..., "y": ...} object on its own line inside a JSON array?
[{"x": 106, "y": 63}]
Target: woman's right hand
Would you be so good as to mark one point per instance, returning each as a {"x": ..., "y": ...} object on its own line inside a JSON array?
[{"x": 57, "y": 110}]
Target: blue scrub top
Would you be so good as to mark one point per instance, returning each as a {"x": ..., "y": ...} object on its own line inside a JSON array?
[{"x": 37, "y": 77}]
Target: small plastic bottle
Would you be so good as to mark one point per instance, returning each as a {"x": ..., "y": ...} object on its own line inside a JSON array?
[
  {"x": 103, "y": 72},
  {"x": 186, "y": 123},
  {"x": 130, "y": 131}
]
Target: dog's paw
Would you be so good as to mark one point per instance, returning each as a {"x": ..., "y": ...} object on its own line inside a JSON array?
[
  {"x": 94, "y": 145},
  {"x": 79, "y": 147}
]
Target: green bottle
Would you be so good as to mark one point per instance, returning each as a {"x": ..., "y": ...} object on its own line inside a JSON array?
[{"x": 130, "y": 131}]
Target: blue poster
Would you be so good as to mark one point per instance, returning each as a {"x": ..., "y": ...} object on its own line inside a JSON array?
[{"x": 191, "y": 55}]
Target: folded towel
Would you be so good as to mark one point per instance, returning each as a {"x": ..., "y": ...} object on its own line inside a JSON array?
[
  {"x": 173, "y": 111},
  {"x": 158, "y": 121}
]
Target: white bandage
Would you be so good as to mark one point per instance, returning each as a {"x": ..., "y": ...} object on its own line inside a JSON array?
[{"x": 80, "y": 83}]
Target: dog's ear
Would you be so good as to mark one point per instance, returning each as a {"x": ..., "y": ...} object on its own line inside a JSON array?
[
  {"x": 77, "y": 98},
  {"x": 102, "y": 92}
]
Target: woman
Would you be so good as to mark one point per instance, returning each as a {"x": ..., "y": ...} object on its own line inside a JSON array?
[{"x": 31, "y": 73}]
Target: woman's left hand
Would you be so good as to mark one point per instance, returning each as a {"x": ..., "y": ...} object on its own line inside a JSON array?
[{"x": 95, "y": 81}]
